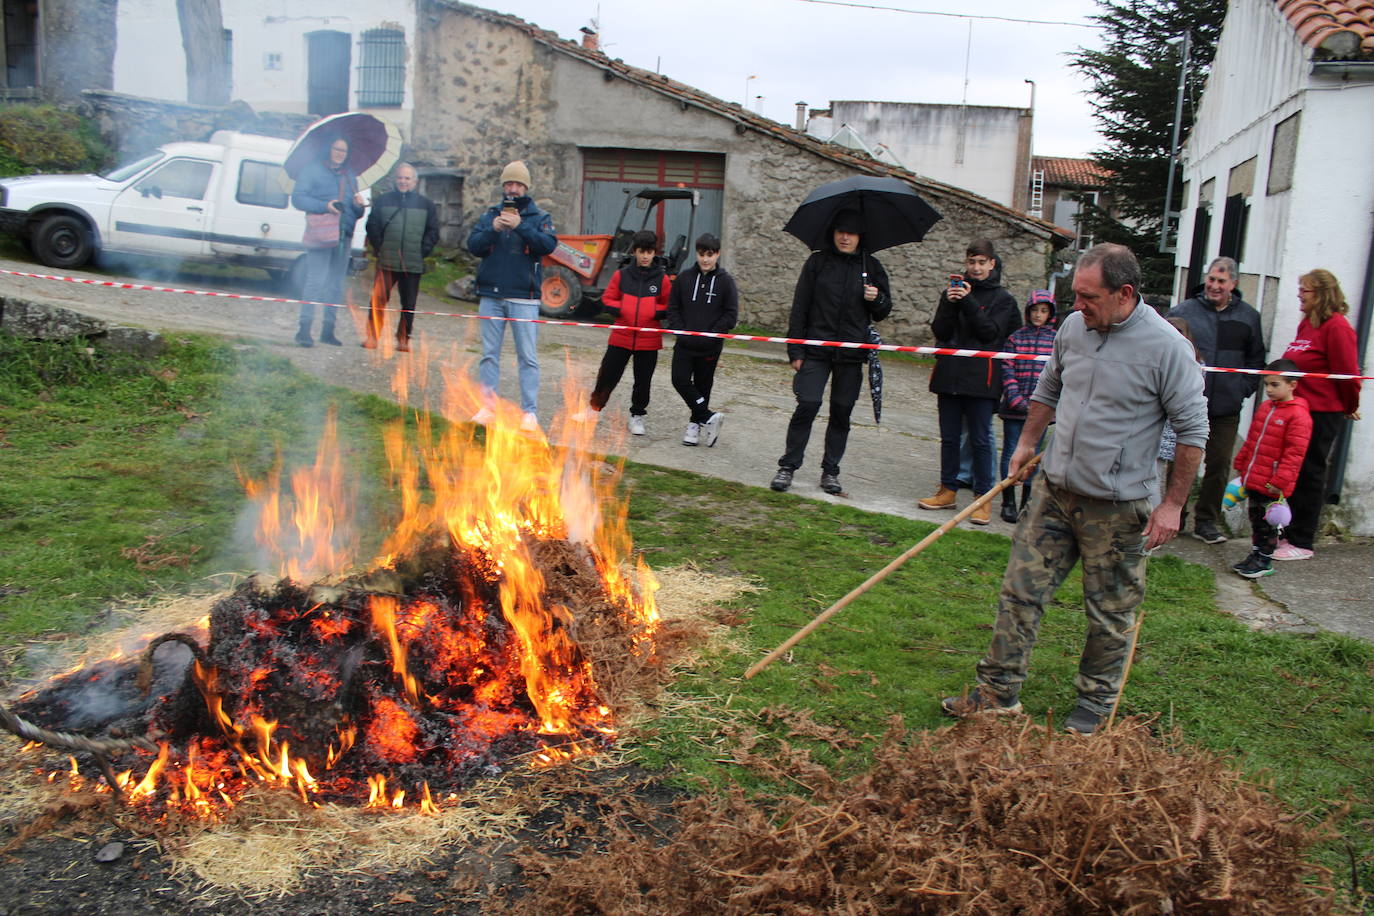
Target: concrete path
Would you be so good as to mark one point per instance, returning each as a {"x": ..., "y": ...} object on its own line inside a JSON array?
[{"x": 887, "y": 468}]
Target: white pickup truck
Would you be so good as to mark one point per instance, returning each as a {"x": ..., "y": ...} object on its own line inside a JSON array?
[{"x": 223, "y": 201}]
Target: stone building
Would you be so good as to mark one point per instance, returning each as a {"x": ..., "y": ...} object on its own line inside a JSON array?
[{"x": 490, "y": 88}]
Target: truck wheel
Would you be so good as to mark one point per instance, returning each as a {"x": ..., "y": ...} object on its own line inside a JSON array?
[
  {"x": 559, "y": 294},
  {"x": 63, "y": 240}
]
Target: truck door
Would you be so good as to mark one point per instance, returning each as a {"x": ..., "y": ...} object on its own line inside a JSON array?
[
  {"x": 254, "y": 222},
  {"x": 164, "y": 212}
]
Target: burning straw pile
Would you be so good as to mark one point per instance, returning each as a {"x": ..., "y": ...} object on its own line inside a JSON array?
[{"x": 985, "y": 817}]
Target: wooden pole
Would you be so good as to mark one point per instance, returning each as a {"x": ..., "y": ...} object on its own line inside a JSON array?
[
  {"x": 883, "y": 573},
  {"x": 1130, "y": 657}
]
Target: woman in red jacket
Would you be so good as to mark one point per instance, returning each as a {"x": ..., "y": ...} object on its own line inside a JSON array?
[
  {"x": 638, "y": 296},
  {"x": 1325, "y": 342},
  {"x": 1269, "y": 460}
]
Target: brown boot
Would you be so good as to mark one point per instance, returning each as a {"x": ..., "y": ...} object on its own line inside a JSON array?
[
  {"x": 943, "y": 499},
  {"x": 980, "y": 515},
  {"x": 402, "y": 343}
]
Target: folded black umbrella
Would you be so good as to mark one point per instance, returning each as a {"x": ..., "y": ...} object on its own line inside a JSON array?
[
  {"x": 875, "y": 375},
  {"x": 893, "y": 214}
]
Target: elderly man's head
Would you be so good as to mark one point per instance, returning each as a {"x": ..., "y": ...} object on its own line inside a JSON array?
[
  {"x": 1106, "y": 285},
  {"x": 1221, "y": 280},
  {"x": 406, "y": 177}
]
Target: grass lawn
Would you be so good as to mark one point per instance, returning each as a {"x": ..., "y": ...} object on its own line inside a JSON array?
[{"x": 102, "y": 454}]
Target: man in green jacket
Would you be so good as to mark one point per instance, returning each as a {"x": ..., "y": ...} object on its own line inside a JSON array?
[{"x": 402, "y": 230}]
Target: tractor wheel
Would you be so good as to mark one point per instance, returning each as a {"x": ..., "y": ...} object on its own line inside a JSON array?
[
  {"x": 63, "y": 240},
  {"x": 560, "y": 293}
]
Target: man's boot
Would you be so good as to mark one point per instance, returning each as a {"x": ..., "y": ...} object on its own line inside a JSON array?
[
  {"x": 1009, "y": 505},
  {"x": 403, "y": 343},
  {"x": 1025, "y": 494}
]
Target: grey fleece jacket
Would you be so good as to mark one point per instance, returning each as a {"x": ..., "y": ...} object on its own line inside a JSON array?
[{"x": 1111, "y": 392}]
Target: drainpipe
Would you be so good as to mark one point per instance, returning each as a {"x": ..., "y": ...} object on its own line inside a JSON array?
[{"x": 1335, "y": 481}]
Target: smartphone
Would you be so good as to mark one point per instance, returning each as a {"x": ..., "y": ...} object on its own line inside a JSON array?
[
  {"x": 956, "y": 281},
  {"x": 509, "y": 206}
]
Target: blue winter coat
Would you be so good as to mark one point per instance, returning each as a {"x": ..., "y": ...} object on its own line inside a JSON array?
[
  {"x": 510, "y": 259},
  {"x": 318, "y": 185}
]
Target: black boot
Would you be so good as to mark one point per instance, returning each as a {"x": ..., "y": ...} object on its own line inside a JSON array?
[
  {"x": 1025, "y": 494},
  {"x": 303, "y": 336},
  {"x": 1009, "y": 505}
]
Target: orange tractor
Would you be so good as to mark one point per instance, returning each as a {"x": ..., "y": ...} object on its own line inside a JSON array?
[{"x": 577, "y": 272}]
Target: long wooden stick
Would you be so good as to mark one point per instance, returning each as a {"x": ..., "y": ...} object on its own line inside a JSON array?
[
  {"x": 884, "y": 572},
  {"x": 1130, "y": 657}
]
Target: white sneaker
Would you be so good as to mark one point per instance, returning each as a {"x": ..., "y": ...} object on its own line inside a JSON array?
[
  {"x": 483, "y": 416},
  {"x": 712, "y": 428},
  {"x": 693, "y": 434},
  {"x": 529, "y": 423},
  {"x": 636, "y": 425},
  {"x": 586, "y": 415}
]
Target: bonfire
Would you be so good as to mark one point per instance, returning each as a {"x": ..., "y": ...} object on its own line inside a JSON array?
[{"x": 487, "y": 632}]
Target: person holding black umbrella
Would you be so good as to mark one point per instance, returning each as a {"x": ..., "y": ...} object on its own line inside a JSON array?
[
  {"x": 327, "y": 190},
  {"x": 840, "y": 293}
]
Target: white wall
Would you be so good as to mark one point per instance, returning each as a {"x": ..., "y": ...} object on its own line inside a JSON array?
[
  {"x": 150, "y": 62},
  {"x": 1261, "y": 76},
  {"x": 925, "y": 138}
]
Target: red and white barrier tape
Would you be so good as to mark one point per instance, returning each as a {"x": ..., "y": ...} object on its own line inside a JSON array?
[{"x": 888, "y": 348}]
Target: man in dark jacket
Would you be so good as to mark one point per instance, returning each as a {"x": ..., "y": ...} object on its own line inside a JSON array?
[
  {"x": 703, "y": 298},
  {"x": 510, "y": 238},
  {"x": 974, "y": 313},
  {"x": 1226, "y": 331},
  {"x": 841, "y": 291},
  {"x": 402, "y": 229}
]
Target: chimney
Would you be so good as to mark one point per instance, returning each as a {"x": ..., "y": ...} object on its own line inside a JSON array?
[
  {"x": 801, "y": 117},
  {"x": 590, "y": 40}
]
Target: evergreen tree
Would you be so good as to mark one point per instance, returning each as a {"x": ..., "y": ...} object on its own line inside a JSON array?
[{"x": 1134, "y": 86}]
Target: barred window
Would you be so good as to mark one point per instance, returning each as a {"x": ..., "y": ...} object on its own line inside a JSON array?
[{"x": 382, "y": 69}]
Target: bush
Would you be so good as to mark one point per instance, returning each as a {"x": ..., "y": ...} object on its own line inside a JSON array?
[{"x": 41, "y": 138}]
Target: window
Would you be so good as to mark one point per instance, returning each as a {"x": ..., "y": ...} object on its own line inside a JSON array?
[
  {"x": 382, "y": 69},
  {"x": 1283, "y": 153},
  {"x": 260, "y": 185},
  {"x": 184, "y": 178}
]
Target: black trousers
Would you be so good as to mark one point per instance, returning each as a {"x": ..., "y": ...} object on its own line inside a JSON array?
[
  {"x": 613, "y": 367},
  {"x": 1310, "y": 493},
  {"x": 809, "y": 386},
  {"x": 1216, "y": 466},
  {"x": 694, "y": 374},
  {"x": 408, "y": 285}
]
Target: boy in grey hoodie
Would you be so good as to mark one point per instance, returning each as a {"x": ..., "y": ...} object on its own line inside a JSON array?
[{"x": 1117, "y": 372}]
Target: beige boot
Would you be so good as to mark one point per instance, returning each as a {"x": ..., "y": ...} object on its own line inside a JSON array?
[
  {"x": 980, "y": 515},
  {"x": 943, "y": 499}
]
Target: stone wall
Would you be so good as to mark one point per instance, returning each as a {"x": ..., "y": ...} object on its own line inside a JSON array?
[
  {"x": 489, "y": 93},
  {"x": 133, "y": 125}
]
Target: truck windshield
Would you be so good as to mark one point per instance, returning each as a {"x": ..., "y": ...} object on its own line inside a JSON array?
[{"x": 130, "y": 169}]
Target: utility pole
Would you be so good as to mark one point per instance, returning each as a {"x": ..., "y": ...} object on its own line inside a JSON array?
[{"x": 1173, "y": 145}]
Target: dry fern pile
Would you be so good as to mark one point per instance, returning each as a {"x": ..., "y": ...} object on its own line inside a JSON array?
[{"x": 984, "y": 817}]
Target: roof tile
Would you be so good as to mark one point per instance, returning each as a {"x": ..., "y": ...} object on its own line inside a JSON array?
[
  {"x": 1063, "y": 171},
  {"x": 1333, "y": 29}
]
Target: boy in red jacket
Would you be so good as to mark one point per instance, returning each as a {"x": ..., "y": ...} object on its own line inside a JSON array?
[
  {"x": 1269, "y": 462},
  {"x": 638, "y": 297}
]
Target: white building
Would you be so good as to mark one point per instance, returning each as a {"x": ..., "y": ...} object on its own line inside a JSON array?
[
  {"x": 981, "y": 148},
  {"x": 1278, "y": 174},
  {"x": 297, "y": 56}
]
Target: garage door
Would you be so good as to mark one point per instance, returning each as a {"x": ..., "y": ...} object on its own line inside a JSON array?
[{"x": 609, "y": 173}]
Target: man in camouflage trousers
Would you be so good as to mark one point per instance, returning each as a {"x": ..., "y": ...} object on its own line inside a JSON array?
[{"x": 1118, "y": 370}]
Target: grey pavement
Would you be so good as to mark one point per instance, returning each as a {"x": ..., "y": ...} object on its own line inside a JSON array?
[{"x": 887, "y": 468}]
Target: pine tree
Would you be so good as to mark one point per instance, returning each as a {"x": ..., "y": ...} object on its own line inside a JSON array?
[{"x": 1134, "y": 86}]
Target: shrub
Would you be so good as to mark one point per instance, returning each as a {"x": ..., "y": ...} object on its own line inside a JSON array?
[{"x": 43, "y": 138}]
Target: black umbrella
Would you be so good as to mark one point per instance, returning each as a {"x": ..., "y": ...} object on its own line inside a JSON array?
[
  {"x": 374, "y": 145},
  {"x": 875, "y": 375},
  {"x": 893, "y": 214}
]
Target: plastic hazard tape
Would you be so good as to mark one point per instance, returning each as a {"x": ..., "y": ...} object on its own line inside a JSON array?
[{"x": 839, "y": 344}]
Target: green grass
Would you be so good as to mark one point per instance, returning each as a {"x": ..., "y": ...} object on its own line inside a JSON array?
[{"x": 101, "y": 452}]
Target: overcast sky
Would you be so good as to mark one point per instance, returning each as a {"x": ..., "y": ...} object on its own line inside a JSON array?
[{"x": 801, "y": 50}]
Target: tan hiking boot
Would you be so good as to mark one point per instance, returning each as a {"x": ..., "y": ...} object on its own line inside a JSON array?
[
  {"x": 943, "y": 499},
  {"x": 980, "y": 515}
]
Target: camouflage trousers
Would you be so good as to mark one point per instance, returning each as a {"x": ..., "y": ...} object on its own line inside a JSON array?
[{"x": 1056, "y": 530}]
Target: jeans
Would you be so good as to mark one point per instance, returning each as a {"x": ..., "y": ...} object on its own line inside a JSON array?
[
  {"x": 974, "y": 415},
  {"x": 809, "y": 386},
  {"x": 324, "y": 280},
  {"x": 1011, "y": 434},
  {"x": 526, "y": 337}
]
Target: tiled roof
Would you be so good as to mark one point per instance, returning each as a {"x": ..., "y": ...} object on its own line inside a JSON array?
[
  {"x": 1078, "y": 173},
  {"x": 747, "y": 120},
  {"x": 1333, "y": 29}
]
